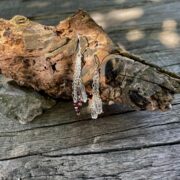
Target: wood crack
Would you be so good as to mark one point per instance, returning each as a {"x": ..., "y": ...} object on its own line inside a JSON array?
[
  {"x": 115, "y": 150},
  {"x": 105, "y": 151},
  {"x": 45, "y": 176}
]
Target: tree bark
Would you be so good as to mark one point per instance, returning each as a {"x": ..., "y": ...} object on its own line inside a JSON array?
[{"x": 43, "y": 57}]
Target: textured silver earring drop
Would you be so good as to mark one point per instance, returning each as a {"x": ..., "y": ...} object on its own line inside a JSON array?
[
  {"x": 96, "y": 102},
  {"x": 79, "y": 93}
]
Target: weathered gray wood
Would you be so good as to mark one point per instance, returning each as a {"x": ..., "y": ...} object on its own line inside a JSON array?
[
  {"x": 128, "y": 145},
  {"x": 122, "y": 143},
  {"x": 40, "y": 9},
  {"x": 150, "y": 127},
  {"x": 137, "y": 144},
  {"x": 148, "y": 163}
]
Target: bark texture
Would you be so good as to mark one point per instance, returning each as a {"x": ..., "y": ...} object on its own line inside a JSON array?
[{"x": 43, "y": 57}]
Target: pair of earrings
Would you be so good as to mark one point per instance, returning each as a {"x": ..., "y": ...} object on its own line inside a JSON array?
[{"x": 79, "y": 93}]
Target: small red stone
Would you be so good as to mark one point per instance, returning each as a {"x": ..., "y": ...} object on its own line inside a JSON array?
[{"x": 80, "y": 103}]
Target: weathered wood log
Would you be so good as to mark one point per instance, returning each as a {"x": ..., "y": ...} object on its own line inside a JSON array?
[{"x": 44, "y": 57}]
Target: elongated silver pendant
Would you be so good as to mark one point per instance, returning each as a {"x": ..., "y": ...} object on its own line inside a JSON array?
[
  {"x": 79, "y": 93},
  {"x": 96, "y": 102}
]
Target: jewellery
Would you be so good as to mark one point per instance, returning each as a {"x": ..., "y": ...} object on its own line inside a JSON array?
[
  {"x": 79, "y": 93},
  {"x": 96, "y": 102}
]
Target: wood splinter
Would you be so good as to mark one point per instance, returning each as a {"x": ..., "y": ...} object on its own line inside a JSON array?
[{"x": 76, "y": 59}]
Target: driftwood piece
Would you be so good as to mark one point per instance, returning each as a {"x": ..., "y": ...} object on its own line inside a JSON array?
[{"x": 43, "y": 57}]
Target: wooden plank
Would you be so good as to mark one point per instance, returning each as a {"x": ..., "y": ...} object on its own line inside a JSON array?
[
  {"x": 44, "y": 8},
  {"x": 138, "y": 143},
  {"x": 148, "y": 163},
  {"x": 135, "y": 129}
]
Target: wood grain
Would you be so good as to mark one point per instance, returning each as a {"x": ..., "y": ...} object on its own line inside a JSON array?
[{"x": 128, "y": 145}]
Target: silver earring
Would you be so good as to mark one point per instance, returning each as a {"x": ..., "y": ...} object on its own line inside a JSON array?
[
  {"x": 79, "y": 93},
  {"x": 96, "y": 102}
]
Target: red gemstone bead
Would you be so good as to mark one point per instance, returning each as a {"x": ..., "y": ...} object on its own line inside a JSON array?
[{"x": 79, "y": 103}]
